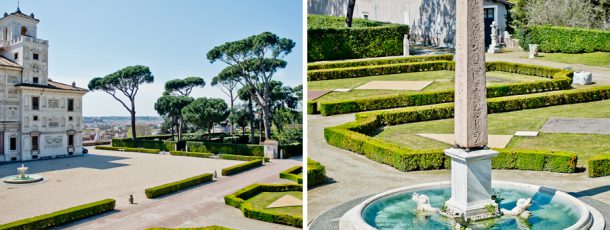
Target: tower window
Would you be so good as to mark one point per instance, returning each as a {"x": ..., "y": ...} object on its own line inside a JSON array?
[
  {"x": 17, "y": 56},
  {"x": 35, "y": 80},
  {"x": 70, "y": 118},
  {"x": 35, "y": 56},
  {"x": 24, "y": 30},
  {"x": 35, "y": 103},
  {"x": 70, "y": 104},
  {"x": 35, "y": 118}
]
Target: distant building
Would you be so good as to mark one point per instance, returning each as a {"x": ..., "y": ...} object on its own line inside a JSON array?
[
  {"x": 431, "y": 22},
  {"x": 39, "y": 118}
]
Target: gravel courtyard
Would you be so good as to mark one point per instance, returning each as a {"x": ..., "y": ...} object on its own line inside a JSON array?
[{"x": 98, "y": 175}]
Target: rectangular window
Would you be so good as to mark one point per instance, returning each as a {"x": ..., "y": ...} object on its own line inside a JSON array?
[
  {"x": 35, "y": 103},
  {"x": 13, "y": 143},
  {"x": 34, "y": 142},
  {"x": 17, "y": 56},
  {"x": 35, "y": 56},
  {"x": 70, "y": 140},
  {"x": 35, "y": 80},
  {"x": 70, "y": 104},
  {"x": 35, "y": 118},
  {"x": 70, "y": 118}
]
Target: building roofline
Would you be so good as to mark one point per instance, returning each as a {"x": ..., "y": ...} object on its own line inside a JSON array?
[{"x": 18, "y": 13}]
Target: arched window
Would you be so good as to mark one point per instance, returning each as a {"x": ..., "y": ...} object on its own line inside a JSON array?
[{"x": 24, "y": 30}]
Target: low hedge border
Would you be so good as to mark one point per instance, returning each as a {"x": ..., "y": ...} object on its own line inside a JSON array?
[
  {"x": 553, "y": 39},
  {"x": 376, "y": 70},
  {"x": 599, "y": 165},
  {"x": 221, "y": 148},
  {"x": 561, "y": 80},
  {"x": 380, "y": 61},
  {"x": 163, "y": 145},
  {"x": 240, "y": 157},
  {"x": 191, "y": 154},
  {"x": 316, "y": 173},
  {"x": 178, "y": 185},
  {"x": 354, "y": 136},
  {"x": 293, "y": 174},
  {"x": 62, "y": 217},
  {"x": 238, "y": 200},
  {"x": 242, "y": 167},
  {"x": 312, "y": 107},
  {"x": 214, "y": 227},
  {"x": 139, "y": 150}
]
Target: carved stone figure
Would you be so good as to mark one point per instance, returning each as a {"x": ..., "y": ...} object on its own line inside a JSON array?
[
  {"x": 423, "y": 203},
  {"x": 520, "y": 210}
]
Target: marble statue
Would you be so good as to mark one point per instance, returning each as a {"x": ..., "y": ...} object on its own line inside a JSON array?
[
  {"x": 423, "y": 203},
  {"x": 520, "y": 210}
]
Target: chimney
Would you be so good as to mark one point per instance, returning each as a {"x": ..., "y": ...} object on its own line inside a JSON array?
[{"x": 73, "y": 84}]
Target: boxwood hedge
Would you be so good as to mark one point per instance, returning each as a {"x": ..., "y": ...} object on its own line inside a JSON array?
[
  {"x": 240, "y": 157},
  {"x": 191, "y": 154},
  {"x": 139, "y": 150},
  {"x": 62, "y": 217},
  {"x": 144, "y": 143},
  {"x": 242, "y": 167},
  {"x": 178, "y": 185},
  {"x": 380, "y": 61},
  {"x": 376, "y": 70},
  {"x": 599, "y": 165},
  {"x": 566, "y": 39},
  {"x": 221, "y": 148},
  {"x": 293, "y": 174},
  {"x": 238, "y": 200},
  {"x": 316, "y": 173}
]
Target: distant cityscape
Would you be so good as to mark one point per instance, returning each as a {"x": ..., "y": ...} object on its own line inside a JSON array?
[{"x": 109, "y": 127}]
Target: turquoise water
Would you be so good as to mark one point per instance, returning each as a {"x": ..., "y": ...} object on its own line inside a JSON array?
[{"x": 398, "y": 212}]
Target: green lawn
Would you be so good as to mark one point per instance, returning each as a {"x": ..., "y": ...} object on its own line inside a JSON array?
[
  {"x": 592, "y": 59},
  {"x": 508, "y": 123},
  {"x": 445, "y": 77},
  {"x": 264, "y": 199}
]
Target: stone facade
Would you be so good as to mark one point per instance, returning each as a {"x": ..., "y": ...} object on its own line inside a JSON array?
[
  {"x": 39, "y": 118},
  {"x": 431, "y": 22}
]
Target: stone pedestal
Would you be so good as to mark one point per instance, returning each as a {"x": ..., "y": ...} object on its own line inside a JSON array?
[
  {"x": 533, "y": 50},
  {"x": 271, "y": 149},
  {"x": 470, "y": 183},
  {"x": 405, "y": 46},
  {"x": 582, "y": 78}
]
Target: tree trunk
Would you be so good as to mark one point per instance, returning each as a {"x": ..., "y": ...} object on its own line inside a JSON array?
[
  {"x": 260, "y": 130},
  {"x": 231, "y": 120},
  {"x": 267, "y": 122},
  {"x": 210, "y": 132},
  {"x": 350, "y": 13},
  {"x": 180, "y": 123},
  {"x": 133, "y": 125},
  {"x": 251, "y": 121}
]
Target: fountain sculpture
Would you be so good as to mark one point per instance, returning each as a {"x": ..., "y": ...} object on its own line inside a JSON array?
[{"x": 22, "y": 177}]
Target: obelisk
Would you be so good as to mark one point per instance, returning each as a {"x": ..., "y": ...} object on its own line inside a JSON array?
[{"x": 470, "y": 158}]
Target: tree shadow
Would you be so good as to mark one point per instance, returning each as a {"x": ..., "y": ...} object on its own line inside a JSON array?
[
  {"x": 327, "y": 7},
  {"x": 327, "y": 181},
  {"x": 591, "y": 191},
  {"x": 91, "y": 161},
  {"x": 436, "y": 23}
]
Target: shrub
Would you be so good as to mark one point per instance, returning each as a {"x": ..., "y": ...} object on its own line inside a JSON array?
[
  {"x": 599, "y": 165},
  {"x": 316, "y": 173},
  {"x": 327, "y": 43},
  {"x": 566, "y": 39},
  {"x": 240, "y": 157},
  {"x": 139, "y": 150},
  {"x": 238, "y": 200},
  {"x": 178, "y": 185},
  {"x": 144, "y": 143},
  {"x": 220, "y": 148},
  {"x": 291, "y": 150},
  {"x": 293, "y": 174},
  {"x": 311, "y": 107},
  {"x": 382, "y": 61},
  {"x": 376, "y": 70},
  {"x": 191, "y": 154},
  {"x": 242, "y": 167},
  {"x": 62, "y": 217},
  {"x": 535, "y": 160}
]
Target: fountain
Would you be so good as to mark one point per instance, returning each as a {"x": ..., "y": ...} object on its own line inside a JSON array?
[
  {"x": 22, "y": 177},
  {"x": 470, "y": 200}
]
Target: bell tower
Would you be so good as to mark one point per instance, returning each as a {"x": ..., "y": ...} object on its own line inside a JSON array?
[{"x": 20, "y": 44}]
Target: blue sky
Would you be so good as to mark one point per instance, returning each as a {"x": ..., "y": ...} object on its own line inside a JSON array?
[{"x": 93, "y": 38}]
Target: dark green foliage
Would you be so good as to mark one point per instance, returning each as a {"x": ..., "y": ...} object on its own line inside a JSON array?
[
  {"x": 240, "y": 157},
  {"x": 535, "y": 160},
  {"x": 291, "y": 150},
  {"x": 183, "y": 87},
  {"x": 238, "y": 200},
  {"x": 126, "y": 149},
  {"x": 62, "y": 217},
  {"x": 566, "y": 39},
  {"x": 242, "y": 167},
  {"x": 178, "y": 185},
  {"x": 293, "y": 174},
  {"x": 381, "y": 61},
  {"x": 327, "y": 43},
  {"x": 324, "y": 22},
  {"x": 144, "y": 143},
  {"x": 376, "y": 70},
  {"x": 599, "y": 165},
  {"x": 312, "y": 107},
  {"x": 316, "y": 173},
  {"x": 561, "y": 79},
  {"x": 191, "y": 154},
  {"x": 220, "y": 148}
]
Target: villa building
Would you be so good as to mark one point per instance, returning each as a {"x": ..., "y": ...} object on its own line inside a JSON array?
[{"x": 39, "y": 118}]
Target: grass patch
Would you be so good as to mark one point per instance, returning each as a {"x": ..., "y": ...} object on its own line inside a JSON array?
[
  {"x": 264, "y": 199},
  {"x": 508, "y": 123},
  {"x": 591, "y": 59},
  {"x": 494, "y": 78}
]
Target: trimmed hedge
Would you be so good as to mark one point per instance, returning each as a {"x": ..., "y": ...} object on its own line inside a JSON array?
[
  {"x": 62, "y": 217},
  {"x": 143, "y": 143},
  {"x": 293, "y": 174},
  {"x": 561, "y": 80},
  {"x": 535, "y": 160},
  {"x": 291, "y": 150},
  {"x": 599, "y": 165},
  {"x": 220, "y": 148},
  {"x": 238, "y": 200},
  {"x": 312, "y": 107},
  {"x": 356, "y": 42},
  {"x": 191, "y": 154},
  {"x": 380, "y": 61},
  {"x": 376, "y": 70},
  {"x": 566, "y": 39},
  {"x": 316, "y": 173},
  {"x": 214, "y": 227},
  {"x": 178, "y": 185},
  {"x": 139, "y": 150},
  {"x": 242, "y": 167},
  {"x": 240, "y": 157}
]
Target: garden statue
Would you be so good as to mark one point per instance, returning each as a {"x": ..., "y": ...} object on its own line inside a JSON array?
[
  {"x": 520, "y": 210},
  {"x": 423, "y": 203}
]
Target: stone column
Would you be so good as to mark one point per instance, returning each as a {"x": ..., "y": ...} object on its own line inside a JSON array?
[
  {"x": 470, "y": 159},
  {"x": 405, "y": 46}
]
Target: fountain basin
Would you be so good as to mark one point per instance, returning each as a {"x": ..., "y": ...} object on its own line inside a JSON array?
[
  {"x": 18, "y": 179},
  {"x": 394, "y": 209}
]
